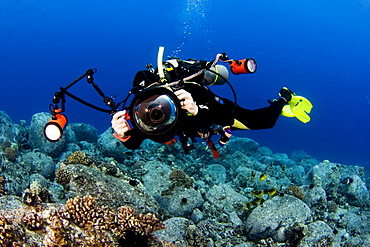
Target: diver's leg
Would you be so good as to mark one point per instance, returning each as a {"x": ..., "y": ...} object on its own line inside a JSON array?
[{"x": 263, "y": 118}]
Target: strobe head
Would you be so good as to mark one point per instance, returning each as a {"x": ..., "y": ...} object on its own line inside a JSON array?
[
  {"x": 244, "y": 66},
  {"x": 53, "y": 130}
]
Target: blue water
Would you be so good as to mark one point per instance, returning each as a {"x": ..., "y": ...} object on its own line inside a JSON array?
[{"x": 319, "y": 49}]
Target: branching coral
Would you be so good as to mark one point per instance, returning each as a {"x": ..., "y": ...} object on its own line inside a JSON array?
[
  {"x": 178, "y": 179},
  {"x": 6, "y": 235},
  {"x": 129, "y": 220},
  {"x": 295, "y": 191},
  {"x": 84, "y": 211},
  {"x": 30, "y": 197},
  {"x": 33, "y": 221},
  {"x": 81, "y": 222},
  {"x": 56, "y": 235},
  {"x": 98, "y": 238},
  {"x": 62, "y": 176},
  {"x": 44, "y": 194},
  {"x": 3, "y": 191},
  {"x": 125, "y": 225},
  {"x": 134, "y": 227},
  {"x": 80, "y": 157}
]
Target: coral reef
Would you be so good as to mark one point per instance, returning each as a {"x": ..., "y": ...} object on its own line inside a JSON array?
[
  {"x": 6, "y": 235},
  {"x": 62, "y": 176},
  {"x": 84, "y": 211},
  {"x": 33, "y": 221},
  {"x": 83, "y": 158},
  {"x": 80, "y": 157},
  {"x": 294, "y": 190},
  {"x": 10, "y": 154},
  {"x": 178, "y": 178},
  {"x": 3, "y": 191},
  {"x": 81, "y": 222},
  {"x": 6, "y": 144},
  {"x": 94, "y": 192},
  {"x": 30, "y": 197},
  {"x": 134, "y": 226},
  {"x": 114, "y": 191},
  {"x": 86, "y": 214}
]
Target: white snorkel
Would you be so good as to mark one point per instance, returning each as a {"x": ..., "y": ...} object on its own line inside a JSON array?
[{"x": 160, "y": 64}]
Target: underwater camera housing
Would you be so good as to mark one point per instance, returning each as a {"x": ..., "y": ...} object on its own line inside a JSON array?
[{"x": 155, "y": 111}]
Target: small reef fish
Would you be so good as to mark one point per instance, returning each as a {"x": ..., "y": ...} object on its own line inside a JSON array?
[
  {"x": 283, "y": 169},
  {"x": 257, "y": 193},
  {"x": 257, "y": 201},
  {"x": 270, "y": 192},
  {"x": 347, "y": 180},
  {"x": 248, "y": 205},
  {"x": 263, "y": 177},
  {"x": 253, "y": 174}
]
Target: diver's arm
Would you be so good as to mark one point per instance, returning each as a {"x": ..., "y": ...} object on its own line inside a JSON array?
[
  {"x": 200, "y": 113},
  {"x": 187, "y": 102},
  {"x": 130, "y": 138},
  {"x": 120, "y": 126}
]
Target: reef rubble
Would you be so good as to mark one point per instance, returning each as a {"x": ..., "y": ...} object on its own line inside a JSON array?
[{"x": 89, "y": 190}]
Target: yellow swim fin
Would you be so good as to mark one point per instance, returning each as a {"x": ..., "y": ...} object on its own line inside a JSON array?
[
  {"x": 287, "y": 112},
  {"x": 298, "y": 107}
]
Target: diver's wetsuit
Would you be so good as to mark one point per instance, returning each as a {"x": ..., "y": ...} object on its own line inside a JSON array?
[{"x": 215, "y": 110}]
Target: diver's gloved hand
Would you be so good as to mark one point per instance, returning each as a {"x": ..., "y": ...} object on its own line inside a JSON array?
[
  {"x": 286, "y": 94},
  {"x": 186, "y": 101},
  {"x": 120, "y": 125}
]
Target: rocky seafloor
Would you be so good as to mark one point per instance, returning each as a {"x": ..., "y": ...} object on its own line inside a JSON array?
[{"x": 89, "y": 190}]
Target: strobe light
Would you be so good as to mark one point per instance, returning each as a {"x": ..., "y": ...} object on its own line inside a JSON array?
[
  {"x": 245, "y": 66},
  {"x": 53, "y": 130}
]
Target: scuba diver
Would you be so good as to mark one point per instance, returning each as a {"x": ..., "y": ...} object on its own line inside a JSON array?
[
  {"x": 175, "y": 100},
  {"x": 202, "y": 113}
]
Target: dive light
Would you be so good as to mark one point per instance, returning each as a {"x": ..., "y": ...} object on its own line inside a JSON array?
[
  {"x": 244, "y": 66},
  {"x": 53, "y": 130}
]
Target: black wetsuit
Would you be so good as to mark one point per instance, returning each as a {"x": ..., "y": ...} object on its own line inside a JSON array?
[{"x": 213, "y": 109}]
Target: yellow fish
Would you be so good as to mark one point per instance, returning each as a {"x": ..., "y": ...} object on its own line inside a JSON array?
[
  {"x": 263, "y": 177},
  {"x": 272, "y": 191}
]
